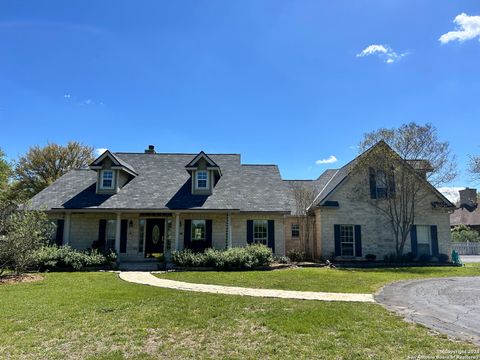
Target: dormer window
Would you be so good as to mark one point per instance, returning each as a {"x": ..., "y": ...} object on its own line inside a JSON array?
[
  {"x": 106, "y": 179},
  {"x": 202, "y": 180}
]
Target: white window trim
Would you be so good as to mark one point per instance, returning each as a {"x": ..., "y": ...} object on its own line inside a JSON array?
[
  {"x": 196, "y": 180},
  {"x": 298, "y": 230},
  {"x": 192, "y": 238},
  {"x": 102, "y": 172},
  {"x": 260, "y": 240},
  {"x": 353, "y": 242},
  {"x": 429, "y": 232}
]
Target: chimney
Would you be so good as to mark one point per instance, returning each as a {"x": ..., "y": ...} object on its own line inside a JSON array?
[
  {"x": 468, "y": 198},
  {"x": 150, "y": 150}
]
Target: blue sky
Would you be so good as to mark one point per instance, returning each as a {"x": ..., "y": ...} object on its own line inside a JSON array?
[{"x": 278, "y": 81}]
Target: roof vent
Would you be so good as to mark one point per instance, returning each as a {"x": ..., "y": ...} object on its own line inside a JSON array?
[{"x": 150, "y": 150}]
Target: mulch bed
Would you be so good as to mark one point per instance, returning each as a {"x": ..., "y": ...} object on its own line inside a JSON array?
[{"x": 13, "y": 279}]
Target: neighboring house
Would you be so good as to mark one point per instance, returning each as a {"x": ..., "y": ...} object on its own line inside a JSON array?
[
  {"x": 468, "y": 213},
  {"x": 147, "y": 204}
]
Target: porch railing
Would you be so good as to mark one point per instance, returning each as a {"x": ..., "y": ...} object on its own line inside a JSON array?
[{"x": 470, "y": 248}]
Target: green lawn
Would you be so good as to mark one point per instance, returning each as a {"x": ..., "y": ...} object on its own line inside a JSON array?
[
  {"x": 321, "y": 279},
  {"x": 98, "y": 316}
]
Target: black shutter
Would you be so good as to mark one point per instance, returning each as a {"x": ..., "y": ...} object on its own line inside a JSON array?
[
  {"x": 123, "y": 236},
  {"x": 358, "y": 241},
  {"x": 373, "y": 183},
  {"x": 413, "y": 238},
  {"x": 271, "y": 235},
  {"x": 208, "y": 234},
  {"x": 391, "y": 185},
  {"x": 102, "y": 229},
  {"x": 249, "y": 231},
  {"x": 187, "y": 234},
  {"x": 434, "y": 235},
  {"x": 59, "y": 233},
  {"x": 338, "y": 246}
]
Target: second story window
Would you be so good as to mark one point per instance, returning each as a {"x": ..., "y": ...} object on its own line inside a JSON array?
[
  {"x": 202, "y": 180},
  {"x": 106, "y": 181},
  {"x": 382, "y": 184}
]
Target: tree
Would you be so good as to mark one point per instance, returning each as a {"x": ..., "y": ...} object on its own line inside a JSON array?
[
  {"x": 26, "y": 231},
  {"x": 5, "y": 172},
  {"x": 420, "y": 154},
  {"x": 40, "y": 167},
  {"x": 463, "y": 233},
  {"x": 474, "y": 167},
  {"x": 304, "y": 196}
]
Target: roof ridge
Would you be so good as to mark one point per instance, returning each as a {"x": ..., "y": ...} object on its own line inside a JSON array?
[{"x": 174, "y": 153}]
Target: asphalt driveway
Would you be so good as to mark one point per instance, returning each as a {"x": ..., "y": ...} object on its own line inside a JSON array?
[{"x": 448, "y": 305}]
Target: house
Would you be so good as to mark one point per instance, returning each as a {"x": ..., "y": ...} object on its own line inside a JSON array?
[
  {"x": 147, "y": 204},
  {"x": 468, "y": 212}
]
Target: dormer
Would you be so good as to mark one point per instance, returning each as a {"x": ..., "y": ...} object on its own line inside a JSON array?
[
  {"x": 204, "y": 173},
  {"x": 112, "y": 173}
]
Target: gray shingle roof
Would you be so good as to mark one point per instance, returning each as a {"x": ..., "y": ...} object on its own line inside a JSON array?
[{"x": 163, "y": 183}]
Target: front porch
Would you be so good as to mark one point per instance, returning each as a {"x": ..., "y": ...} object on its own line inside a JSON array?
[{"x": 144, "y": 237}]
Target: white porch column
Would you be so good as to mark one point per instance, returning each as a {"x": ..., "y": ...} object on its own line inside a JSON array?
[
  {"x": 117, "y": 233},
  {"x": 177, "y": 231},
  {"x": 66, "y": 228},
  {"x": 229, "y": 230}
]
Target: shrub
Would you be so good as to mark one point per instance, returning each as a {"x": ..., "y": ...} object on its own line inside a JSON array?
[
  {"x": 370, "y": 257},
  {"x": 296, "y": 255},
  {"x": 64, "y": 257},
  {"x": 463, "y": 233},
  {"x": 425, "y": 258},
  {"x": 443, "y": 258},
  {"x": 281, "y": 259},
  {"x": 24, "y": 232},
  {"x": 235, "y": 258}
]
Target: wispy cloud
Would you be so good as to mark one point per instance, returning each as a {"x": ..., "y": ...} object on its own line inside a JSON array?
[
  {"x": 451, "y": 193},
  {"x": 81, "y": 102},
  {"x": 468, "y": 28},
  {"x": 99, "y": 151},
  {"x": 384, "y": 52},
  {"x": 330, "y": 160}
]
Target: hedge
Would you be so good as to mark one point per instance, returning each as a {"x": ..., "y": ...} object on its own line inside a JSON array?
[{"x": 247, "y": 257}]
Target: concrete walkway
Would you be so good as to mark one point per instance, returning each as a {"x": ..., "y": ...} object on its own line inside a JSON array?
[
  {"x": 147, "y": 278},
  {"x": 448, "y": 305}
]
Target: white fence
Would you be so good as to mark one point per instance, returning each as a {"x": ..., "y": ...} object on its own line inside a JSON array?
[{"x": 470, "y": 248}]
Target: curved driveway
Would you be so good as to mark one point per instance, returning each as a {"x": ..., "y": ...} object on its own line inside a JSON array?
[{"x": 448, "y": 305}]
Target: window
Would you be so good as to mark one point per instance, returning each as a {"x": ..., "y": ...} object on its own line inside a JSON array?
[
  {"x": 423, "y": 240},
  {"x": 382, "y": 184},
  {"x": 295, "y": 230},
  {"x": 202, "y": 179},
  {"x": 260, "y": 231},
  {"x": 198, "y": 230},
  {"x": 110, "y": 234},
  {"x": 106, "y": 179},
  {"x": 347, "y": 240}
]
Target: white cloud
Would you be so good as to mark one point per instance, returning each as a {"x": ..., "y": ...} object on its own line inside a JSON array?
[
  {"x": 99, "y": 151},
  {"x": 330, "y": 160},
  {"x": 67, "y": 96},
  {"x": 468, "y": 28},
  {"x": 88, "y": 102},
  {"x": 451, "y": 193},
  {"x": 384, "y": 52}
]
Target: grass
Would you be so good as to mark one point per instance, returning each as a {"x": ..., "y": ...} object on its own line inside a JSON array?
[
  {"x": 98, "y": 316},
  {"x": 322, "y": 279}
]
